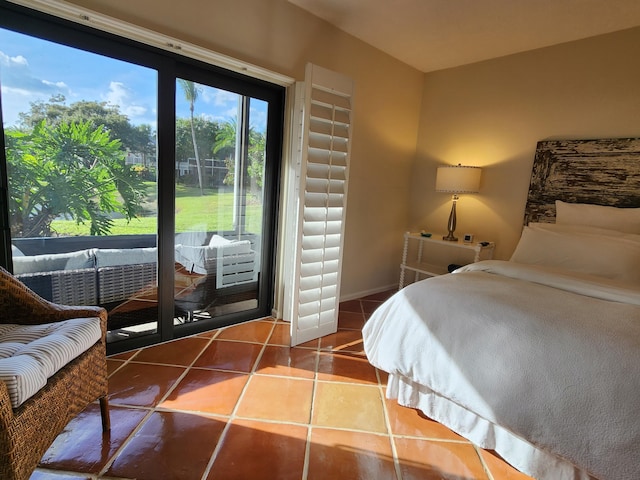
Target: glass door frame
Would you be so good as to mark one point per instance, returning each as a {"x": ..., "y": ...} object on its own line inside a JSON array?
[
  {"x": 274, "y": 95},
  {"x": 169, "y": 66}
]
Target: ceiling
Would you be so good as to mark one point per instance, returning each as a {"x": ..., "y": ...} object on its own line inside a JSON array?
[{"x": 436, "y": 34}]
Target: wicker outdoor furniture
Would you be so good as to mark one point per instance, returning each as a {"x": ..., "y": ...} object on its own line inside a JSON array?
[
  {"x": 124, "y": 280},
  {"x": 26, "y": 432}
]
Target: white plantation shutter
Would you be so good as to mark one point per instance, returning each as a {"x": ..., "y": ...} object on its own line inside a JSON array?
[{"x": 320, "y": 180}]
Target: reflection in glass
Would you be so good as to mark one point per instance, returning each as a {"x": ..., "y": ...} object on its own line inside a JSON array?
[
  {"x": 219, "y": 201},
  {"x": 81, "y": 163}
]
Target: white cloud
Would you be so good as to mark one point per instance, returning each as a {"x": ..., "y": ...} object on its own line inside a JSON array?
[
  {"x": 17, "y": 74},
  {"x": 19, "y": 92},
  {"x": 16, "y": 100},
  {"x": 231, "y": 112},
  {"x": 122, "y": 96},
  {"x": 117, "y": 94},
  {"x": 60, "y": 85},
  {"x": 20, "y": 87},
  {"x": 8, "y": 61},
  {"x": 217, "y": 97}
]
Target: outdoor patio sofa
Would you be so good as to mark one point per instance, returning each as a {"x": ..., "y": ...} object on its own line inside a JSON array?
[{"x": 109, "y": 276}]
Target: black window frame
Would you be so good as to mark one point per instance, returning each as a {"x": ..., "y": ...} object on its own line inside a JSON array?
[{"x": 169, "y": 66}]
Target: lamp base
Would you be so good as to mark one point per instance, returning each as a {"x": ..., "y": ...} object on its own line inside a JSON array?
[{"x": 451, "y": 225}]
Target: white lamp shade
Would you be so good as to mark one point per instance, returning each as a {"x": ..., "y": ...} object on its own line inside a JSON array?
[{"x": 458, "y": 179}]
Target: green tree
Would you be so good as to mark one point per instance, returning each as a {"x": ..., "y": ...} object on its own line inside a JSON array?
[
  {"x": 68, "y": 170},
  {"x": 139, "y": 139},
  {"x": 191, "y": 92},
  {"x": 52, "y": 112},
  {"x": 143, "y": 140},
  {"x": 257, "y": 145},
  {"x": 205, "y": 130},
  {"x": 226, "y": 139}
]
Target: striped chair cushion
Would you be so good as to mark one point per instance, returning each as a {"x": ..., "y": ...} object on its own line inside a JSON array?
[{"x": 30, "y": 354}]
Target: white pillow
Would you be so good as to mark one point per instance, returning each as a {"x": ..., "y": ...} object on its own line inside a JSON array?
[
  {"x": 602, "y": 255},
  {"x": 613, "y": 218},
  {"x": 563, "y": 228},
  {"x": 217, "y": 240}
]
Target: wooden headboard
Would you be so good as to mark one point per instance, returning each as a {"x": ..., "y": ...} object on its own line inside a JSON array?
[{"x": 601, "y": 172}]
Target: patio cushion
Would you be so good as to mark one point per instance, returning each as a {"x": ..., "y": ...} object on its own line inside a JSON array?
[
  {"x": 53, "y": 262},
  {"x": 114, "y": 257},
  {"x": 196, "y": 259},
  {"x": 217, "y": 240},
  {"x": 30, "y": 354}
]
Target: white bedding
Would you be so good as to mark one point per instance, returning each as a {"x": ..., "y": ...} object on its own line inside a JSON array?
[{"x": 545, "y": 356}]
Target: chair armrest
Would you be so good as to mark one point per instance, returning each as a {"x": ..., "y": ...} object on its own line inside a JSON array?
[
  {"x": 20, "y": 305},
  {"x": 6, "y": 415}
]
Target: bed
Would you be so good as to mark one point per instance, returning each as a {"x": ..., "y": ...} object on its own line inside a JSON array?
[{"x": 537, "y": 357}]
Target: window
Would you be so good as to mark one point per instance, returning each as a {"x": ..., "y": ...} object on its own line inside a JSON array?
[{"x": 136, "y": 179}]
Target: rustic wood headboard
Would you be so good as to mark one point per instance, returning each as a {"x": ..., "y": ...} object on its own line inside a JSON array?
[{"x": 601, "y": 172}]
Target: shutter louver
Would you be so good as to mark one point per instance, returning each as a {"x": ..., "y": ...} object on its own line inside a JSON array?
[{"x": 323, "y": 171}]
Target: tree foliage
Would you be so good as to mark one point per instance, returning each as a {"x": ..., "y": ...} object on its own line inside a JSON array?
[
  {"x": 205, "y": 131},
  {"x": 69, "y": 161},
  {"x": 68, "y": 169},
  {"x": 140, "y": 139},
  {"x": 257, "y": 145},
  {"x": 226, "y": 140}
]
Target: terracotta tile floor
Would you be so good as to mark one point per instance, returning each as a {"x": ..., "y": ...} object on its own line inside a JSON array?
[{"x": 238, "y": 403}]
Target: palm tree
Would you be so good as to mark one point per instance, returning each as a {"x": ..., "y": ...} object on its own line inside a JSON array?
[
  {"x": 226, "y": 138},
  {"x": 191, "y": 92}
]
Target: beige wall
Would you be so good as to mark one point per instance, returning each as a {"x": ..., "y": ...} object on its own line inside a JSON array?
[
  {"x": 281, "y": 37},
  {"x": 489, "y": 114},
  {"x": 493, "y": 113}
]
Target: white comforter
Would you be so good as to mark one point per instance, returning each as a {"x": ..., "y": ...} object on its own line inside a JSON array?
[{"x": 551, "y": 357}]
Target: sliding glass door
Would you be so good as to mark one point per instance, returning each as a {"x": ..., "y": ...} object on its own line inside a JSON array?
[
  {"x": 81, "y": 164},
  {"x": 162, "y": 211},
  {"x": 219, "y": 200}
]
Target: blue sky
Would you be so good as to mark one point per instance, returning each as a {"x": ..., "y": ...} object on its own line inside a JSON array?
[{"x": 32, "y": 69}]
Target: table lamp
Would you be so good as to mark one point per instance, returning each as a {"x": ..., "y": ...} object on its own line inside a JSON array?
[{"x": 456, "y": 179}]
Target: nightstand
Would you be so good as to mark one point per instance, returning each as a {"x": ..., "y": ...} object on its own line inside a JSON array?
[{"x": 430, "y": 256}]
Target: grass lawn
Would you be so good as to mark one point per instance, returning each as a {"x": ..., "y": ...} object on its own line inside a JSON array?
[{"x": 212, "y": 211}]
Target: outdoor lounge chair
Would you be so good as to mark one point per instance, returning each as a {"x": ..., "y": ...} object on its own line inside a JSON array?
[{"x": 41, "y": 390}]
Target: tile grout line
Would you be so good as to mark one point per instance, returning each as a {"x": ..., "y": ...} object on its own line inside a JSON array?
[
  {"x": 385, "y": 412},
  {"x": 307, "y": 447},
  {"x": 485, "y": 467},
  {"x": 152, "y": 409},
  {"x": 232, "y": 415},
  {"x": 387, "y": 421},
  {"x": 113, "y": 457},
  {"x": 126, "y": 441},
  {"x": 186, "y": 368},
  {"x": 124, "y": 362},
  {"x": 307, "y": 455}
]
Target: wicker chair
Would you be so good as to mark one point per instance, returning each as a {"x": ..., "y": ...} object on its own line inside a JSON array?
[{"x": 28, "y": 431}]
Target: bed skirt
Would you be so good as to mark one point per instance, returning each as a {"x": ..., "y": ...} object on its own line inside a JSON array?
[{"x": 521, "y": 454}]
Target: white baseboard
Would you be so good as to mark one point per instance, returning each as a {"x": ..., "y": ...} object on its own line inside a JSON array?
[{"x": 355, "y": 296}]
